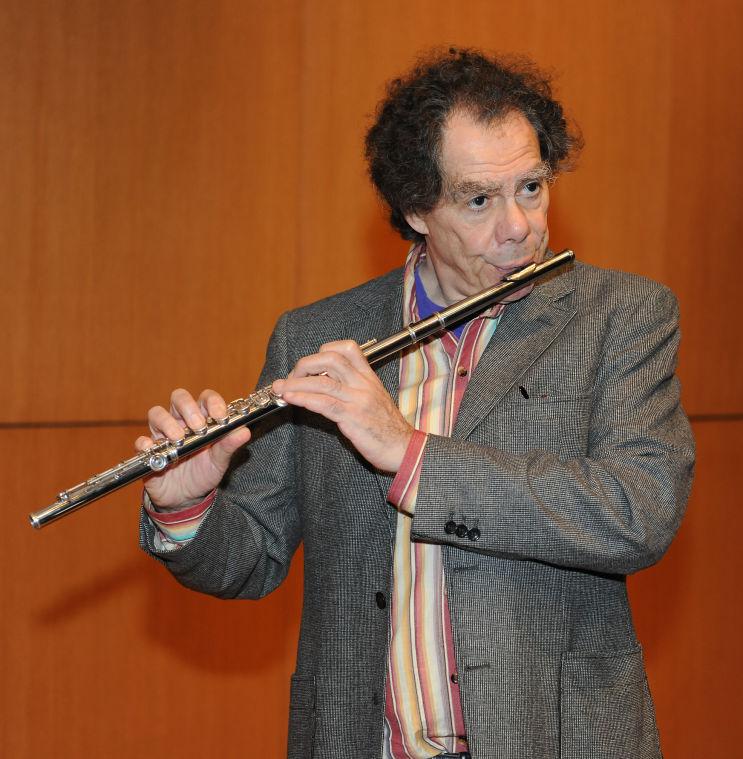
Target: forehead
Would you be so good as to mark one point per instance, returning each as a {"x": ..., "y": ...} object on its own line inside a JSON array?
[{"x": 487, "y": 151}]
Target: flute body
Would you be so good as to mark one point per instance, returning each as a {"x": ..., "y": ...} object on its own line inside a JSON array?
[{"x": 261, "y": 403}]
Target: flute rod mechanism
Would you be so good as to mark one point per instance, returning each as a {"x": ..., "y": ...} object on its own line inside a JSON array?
[{"x": 261, "y": 403}]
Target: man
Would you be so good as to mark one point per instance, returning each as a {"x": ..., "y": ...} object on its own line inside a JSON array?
[{"x": 469, "y": 512}]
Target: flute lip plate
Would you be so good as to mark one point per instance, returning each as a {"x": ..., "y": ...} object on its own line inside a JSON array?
[{"x": 520, "y": 273}]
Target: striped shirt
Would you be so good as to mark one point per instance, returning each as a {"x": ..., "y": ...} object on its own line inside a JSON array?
[{"x": 423, "y": 714}]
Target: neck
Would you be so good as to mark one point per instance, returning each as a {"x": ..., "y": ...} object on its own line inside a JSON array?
[{"x": 431, "y": 283}]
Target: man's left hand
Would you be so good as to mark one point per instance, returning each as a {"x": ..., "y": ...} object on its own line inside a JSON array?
[{"x": 338, "y": 383}]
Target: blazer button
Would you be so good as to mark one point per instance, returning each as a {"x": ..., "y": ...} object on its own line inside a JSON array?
[
  {"x": 461, "y": 530},
  {"x": 474, "y": 534},
  {"x": 450, "y": 527},
  {"x": 381, "y": 600}
]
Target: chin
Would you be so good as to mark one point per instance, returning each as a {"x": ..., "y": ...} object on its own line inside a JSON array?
[{"x": 519, "y": 294}]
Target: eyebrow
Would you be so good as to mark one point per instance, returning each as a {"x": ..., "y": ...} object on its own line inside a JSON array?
[{"x": 459, "y": 189}]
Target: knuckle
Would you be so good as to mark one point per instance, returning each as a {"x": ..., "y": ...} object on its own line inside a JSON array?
[
  {"x": 299, "y": 367},
  {"x": 330, "y": 384}
]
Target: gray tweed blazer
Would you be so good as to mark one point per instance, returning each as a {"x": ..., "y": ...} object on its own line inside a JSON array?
[{"x": 571, "y": 489}]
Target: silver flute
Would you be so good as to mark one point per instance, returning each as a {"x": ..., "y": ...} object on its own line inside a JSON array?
[{"x": 261, "y": 403}]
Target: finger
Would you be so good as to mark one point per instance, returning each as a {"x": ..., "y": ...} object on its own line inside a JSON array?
[
  {"x": 331, "y": 408},
  {"x": 223, "y": 450},
  {"x": 142, "y": 443},
  {"x": 213, "y": 404},
  {"x": 164, "y": 424},
  {"x": 183, "y": 404},
  {"x": 328, "y": 362},
  {"x": 351, "y": 351},
  {"x": 320, "y": 384}
]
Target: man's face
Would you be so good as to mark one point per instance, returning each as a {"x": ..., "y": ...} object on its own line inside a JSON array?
[{"x": 492, "y": 216}]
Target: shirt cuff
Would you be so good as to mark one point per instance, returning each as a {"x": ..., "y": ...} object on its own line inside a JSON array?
[
  {"x": 177, "y": 527},
  {"x": 404, "y": 488}
]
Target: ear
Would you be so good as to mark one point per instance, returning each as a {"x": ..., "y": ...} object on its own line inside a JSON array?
[{"x": 417, "y": 222}]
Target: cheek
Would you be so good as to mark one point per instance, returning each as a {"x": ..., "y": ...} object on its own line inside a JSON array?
[
  {"x": 458, "y": 241},
  {"x": 538, "y": 221},
  {"x": 543, "y": 208}
]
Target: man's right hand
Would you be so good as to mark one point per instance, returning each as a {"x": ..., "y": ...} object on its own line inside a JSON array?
[{"x": 191, "y": 480}]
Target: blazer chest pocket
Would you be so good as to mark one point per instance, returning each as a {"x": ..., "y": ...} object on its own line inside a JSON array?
[
  {"x": 301, "y": 717},
  {"x": 605, "y": 707},
  {"x": 556, "y": 424}
]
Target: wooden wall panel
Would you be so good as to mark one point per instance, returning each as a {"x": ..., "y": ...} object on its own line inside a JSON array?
[
  {"x": 102, "y": 653},
  {"x": 147, "y": 222},
  {"x": 204, "y": 160},
  {"x": 704, "y": 184},
  {"x": 177, "y": 173},
  {"x": 688, "y": 609}
]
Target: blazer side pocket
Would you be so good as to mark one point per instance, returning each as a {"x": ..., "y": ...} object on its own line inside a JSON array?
[
  {"x": 605, "y": 707},
  {"x": 301, "y": 717}
]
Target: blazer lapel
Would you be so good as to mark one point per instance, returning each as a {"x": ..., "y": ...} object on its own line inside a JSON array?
[{"x": 527, "y": 328}]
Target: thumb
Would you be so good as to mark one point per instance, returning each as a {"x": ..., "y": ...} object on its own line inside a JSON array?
[{"x": 223, "y": 449}]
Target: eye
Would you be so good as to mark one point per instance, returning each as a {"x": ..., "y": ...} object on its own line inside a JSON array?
[
  {"x": 533, "y": 187},
  {"x": 478, "y": 202}
]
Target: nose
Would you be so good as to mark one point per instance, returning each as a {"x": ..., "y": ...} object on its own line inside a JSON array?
[{"x": 512, "y": 224}]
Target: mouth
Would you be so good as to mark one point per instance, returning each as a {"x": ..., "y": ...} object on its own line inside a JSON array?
[{"x": 505, "y": 271}]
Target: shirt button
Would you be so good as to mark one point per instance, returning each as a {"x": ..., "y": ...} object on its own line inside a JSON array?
[
  {"x": 455, "y": 678},
  {"x": 474, "y": 534},
  {"x": 461, "y": 530},
  {"x": 380, "y": 599},
  {"x": 462, "y": 371},
  {"x": 450, "y": 527}
]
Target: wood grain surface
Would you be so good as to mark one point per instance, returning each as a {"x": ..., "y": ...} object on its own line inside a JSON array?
[{"x": 176, "y": 173}]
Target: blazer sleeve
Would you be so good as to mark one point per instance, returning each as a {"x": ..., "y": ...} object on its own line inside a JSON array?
[
  {"x": 244, "y": 546},
  {"x": 614, "y": 510}
]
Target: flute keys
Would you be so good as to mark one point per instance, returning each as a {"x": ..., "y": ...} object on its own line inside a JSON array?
[
  {"x": 157, "y": 462},
  {"x": 240, "y": 406},
  {"x": 261, "y": 399}
]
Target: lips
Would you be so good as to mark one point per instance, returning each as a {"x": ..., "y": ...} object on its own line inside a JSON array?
[{"x": 506, "y": 270}]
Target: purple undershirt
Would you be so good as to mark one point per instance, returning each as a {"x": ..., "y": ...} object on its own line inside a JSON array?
[{"x": 426, "y": 307}]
